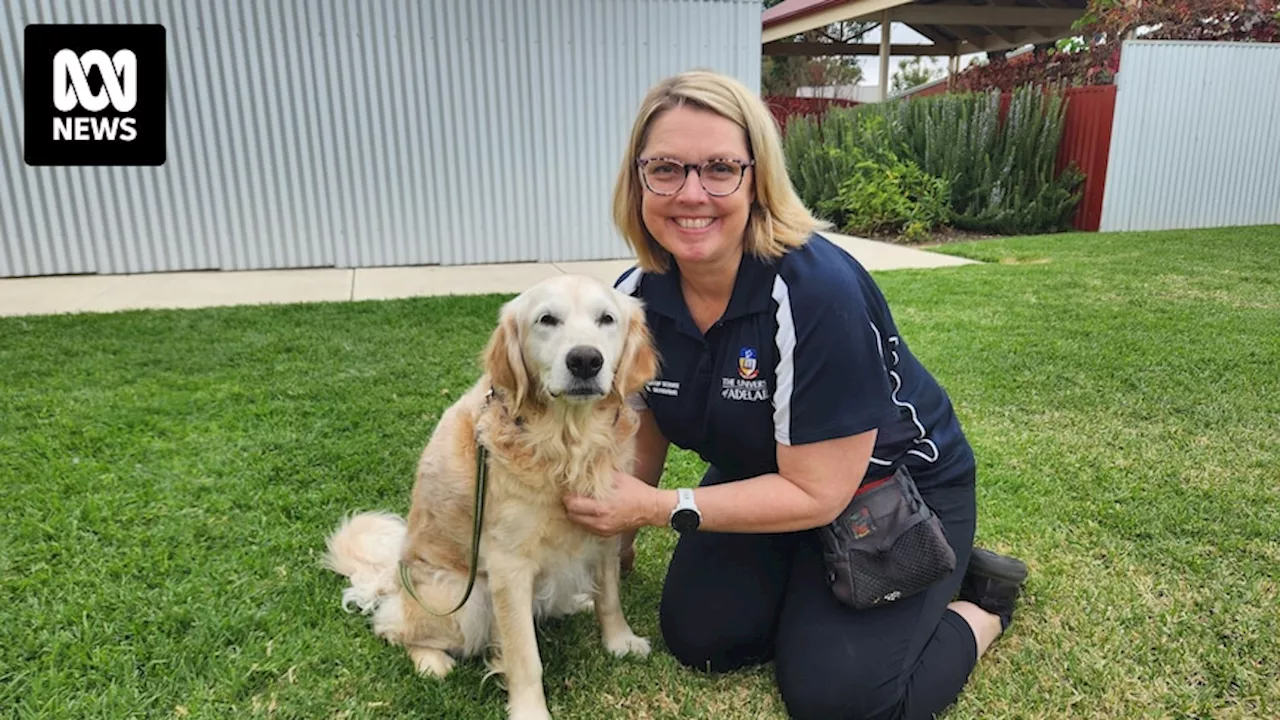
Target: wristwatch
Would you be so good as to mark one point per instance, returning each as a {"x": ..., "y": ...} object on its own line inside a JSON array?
[{"x": 685, "y": 517}]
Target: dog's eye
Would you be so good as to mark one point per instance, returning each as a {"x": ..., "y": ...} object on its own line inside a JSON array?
[
  {"x": 606, "y": 319},
  {"x": 549, "y": 320}
]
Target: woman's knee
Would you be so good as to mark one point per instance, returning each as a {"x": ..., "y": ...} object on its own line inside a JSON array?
[
  {"x": 721, "y": 599},
  {"x": 698, "y": 640},
  {"x": 682, "y": 634},
  {"x": 838, "y": 693}
]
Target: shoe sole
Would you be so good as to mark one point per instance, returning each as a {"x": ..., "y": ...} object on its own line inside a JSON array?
[{"x": 985, "y": 563}]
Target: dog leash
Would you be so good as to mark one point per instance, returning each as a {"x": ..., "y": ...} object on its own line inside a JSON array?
[{"x": 482, "y": 477}]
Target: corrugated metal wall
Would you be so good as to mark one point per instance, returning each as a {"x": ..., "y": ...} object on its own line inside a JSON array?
[
  {"x": 1086, "y": 141},
  {"x": 314, "y": 133},
  {"x": 1196, "y": 142}
]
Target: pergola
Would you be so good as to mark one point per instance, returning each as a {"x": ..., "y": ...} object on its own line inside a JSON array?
[{"x": 953, "y": 28}]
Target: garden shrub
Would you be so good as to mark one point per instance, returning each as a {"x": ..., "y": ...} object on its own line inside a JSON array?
[
  {"x": 955, "y": 137},
  {"x": 851, "y": 171},
  {"x": 998, "y": 175},
  {"x": 818, "y": 159},
  {"x": 888, "y": 195}
]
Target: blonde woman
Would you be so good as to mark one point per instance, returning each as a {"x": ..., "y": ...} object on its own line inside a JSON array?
[{"x": 783, "y": 368}]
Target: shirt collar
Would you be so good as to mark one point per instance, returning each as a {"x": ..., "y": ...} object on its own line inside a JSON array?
[
  {"x": 752, "y": 292},
  {"x": 753, "y": 289}
]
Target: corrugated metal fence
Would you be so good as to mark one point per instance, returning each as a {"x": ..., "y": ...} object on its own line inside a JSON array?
[
  {"x": 1086, "y": 139},
  {"x": 1086, "y": 136},
  {"x": 341, "y": 133},
  {"x": 1196, "y": 142}
]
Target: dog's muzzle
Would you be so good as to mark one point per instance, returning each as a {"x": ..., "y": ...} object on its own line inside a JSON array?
[{"x": 584, "y": 362}]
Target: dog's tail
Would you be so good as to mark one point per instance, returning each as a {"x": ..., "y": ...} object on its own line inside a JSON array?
[{"x": 366, "y": 549}]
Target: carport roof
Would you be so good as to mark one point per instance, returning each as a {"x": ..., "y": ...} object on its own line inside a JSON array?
[{"x": 954, "y": 28}]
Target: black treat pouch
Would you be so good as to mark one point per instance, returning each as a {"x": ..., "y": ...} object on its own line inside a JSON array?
[{"x": 886, "y": 545}]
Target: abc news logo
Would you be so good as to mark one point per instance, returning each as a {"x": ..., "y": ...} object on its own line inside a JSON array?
[
  {"x": 71, "y": 89},
  {"x": 95, "y": 95}
]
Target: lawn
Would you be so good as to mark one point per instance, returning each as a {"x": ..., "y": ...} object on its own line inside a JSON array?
[{"x": 167, "y": 479}]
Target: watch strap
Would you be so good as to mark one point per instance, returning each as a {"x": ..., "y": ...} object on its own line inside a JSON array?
[{"x": 684, "y": 498}]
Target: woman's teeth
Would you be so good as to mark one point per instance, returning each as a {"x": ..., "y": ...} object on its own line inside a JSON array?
[{"x": 694, "y": 223}]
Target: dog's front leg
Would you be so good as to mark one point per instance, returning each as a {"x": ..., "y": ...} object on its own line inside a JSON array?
[
  {"x": 512, "y": 588},
  {"x": 617, "y": 634}
]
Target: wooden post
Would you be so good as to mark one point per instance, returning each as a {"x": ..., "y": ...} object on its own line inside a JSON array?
[{"x": 885, "y": 26}]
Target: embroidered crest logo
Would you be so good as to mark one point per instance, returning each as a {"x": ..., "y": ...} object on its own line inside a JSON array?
[
  {"x": 748, "y": 367},
  {"x": 748, "y": 385}
]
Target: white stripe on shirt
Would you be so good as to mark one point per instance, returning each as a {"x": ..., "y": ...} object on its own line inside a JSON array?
[
  {"x": 930, "y": 454},
  {"x": 785, "y": 338},
  {"x": 628, "y": 286},
  {"x": 630, "y": 283}
]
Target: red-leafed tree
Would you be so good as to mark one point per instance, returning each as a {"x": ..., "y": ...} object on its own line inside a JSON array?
[{"x": 1107, "y": 23}]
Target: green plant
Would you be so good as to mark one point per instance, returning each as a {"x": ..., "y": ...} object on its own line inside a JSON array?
[
  {"x": 995, "y": 165},
  {"x": 816, "y": 157},
  {"x": 1021, "y": 190},
  {"x": 1070, "y": 45},
  {"x": 1002, "y": 172},
  {"x": 825, "y": 154},
  {"x": 886, "y": 194},
  {"x": 952, "y": 137}
]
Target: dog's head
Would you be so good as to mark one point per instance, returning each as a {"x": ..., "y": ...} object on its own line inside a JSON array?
[{"x": 570, "y": 339}]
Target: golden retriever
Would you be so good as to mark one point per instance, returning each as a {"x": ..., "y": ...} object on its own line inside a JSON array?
[{"x": 550, "y": 408}]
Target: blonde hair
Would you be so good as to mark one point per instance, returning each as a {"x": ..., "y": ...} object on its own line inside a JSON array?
[{"x": 778, "y": 219}]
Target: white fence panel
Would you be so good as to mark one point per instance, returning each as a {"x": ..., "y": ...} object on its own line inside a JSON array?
[
  {"x": 1196, "y": 139},
  {"x": 321, "y": 133}
]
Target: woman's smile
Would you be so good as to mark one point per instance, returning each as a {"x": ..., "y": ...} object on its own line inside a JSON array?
[{"x": 694, "y": 225}]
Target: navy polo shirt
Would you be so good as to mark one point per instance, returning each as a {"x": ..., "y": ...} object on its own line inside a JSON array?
[{"x": 807, "y": 350}]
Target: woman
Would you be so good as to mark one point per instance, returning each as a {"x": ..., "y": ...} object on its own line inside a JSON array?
[{"x": 783, "y": 369}]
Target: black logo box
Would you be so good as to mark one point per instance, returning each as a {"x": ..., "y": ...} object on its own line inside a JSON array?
[{"x": 147, "y": 148}]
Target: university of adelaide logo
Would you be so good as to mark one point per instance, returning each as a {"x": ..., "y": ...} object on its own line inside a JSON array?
[
  {"x": 747, "y": 386},
  {"x": 94, "y": 95},
  {"x": 747, "y": 367}
]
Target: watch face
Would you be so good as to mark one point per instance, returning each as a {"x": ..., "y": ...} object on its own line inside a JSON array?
[{"x": 684, "y": 521}]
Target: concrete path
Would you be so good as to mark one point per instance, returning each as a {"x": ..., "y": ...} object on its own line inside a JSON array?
[{"x": 107, "y": 293}]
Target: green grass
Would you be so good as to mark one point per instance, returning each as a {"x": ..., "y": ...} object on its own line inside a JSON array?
[{"x": 167, "y": 479}]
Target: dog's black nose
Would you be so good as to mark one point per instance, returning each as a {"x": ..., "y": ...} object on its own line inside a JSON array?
[{"x": 584, "y": 362}]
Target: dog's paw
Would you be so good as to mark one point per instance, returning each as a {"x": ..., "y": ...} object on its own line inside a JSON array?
[
  {"x": 582, "y": 603},
  {"x": 431, "y": 662},
  {"x": 528, "y": 711},
  {"x": 627, "y": 644}
]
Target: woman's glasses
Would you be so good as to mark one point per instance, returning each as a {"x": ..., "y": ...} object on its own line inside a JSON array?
[{"x": 664, "y": 176}]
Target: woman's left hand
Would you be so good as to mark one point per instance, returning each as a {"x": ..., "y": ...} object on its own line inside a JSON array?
[{"x": 631, "y": 505}]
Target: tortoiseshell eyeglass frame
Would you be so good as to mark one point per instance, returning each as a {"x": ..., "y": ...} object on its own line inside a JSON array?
[{"x": 742, "y": 166}]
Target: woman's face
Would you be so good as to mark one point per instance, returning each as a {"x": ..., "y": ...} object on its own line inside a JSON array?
[{"x": 698, "y": 229}]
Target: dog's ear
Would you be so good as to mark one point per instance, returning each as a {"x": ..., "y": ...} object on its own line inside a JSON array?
[
  {"x": 639, "y": 362},
  {"x": 504, "y": 360}
]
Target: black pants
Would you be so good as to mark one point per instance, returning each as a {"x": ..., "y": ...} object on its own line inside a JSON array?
[{"x": 732, "y": 600}]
